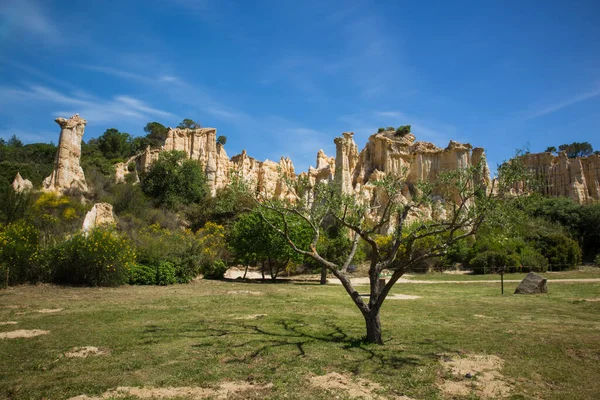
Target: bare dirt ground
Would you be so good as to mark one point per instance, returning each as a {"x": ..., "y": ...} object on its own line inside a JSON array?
[
  {"x": 225, "y": 390},
  {"x": 353, "y": 388},
  {"x": 251, "y": 316},
  {"x": 9, "y": 323},
  {"x": 23, "y": 333},
  {"x": 86, "y": 351},
  {"x": 49, "y": 310},
  {"x": 474, "y": 374}
]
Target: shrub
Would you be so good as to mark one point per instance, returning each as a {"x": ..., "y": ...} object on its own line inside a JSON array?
[
  {"x": 140, "y": 274},
  {"x": 597, "y": 259},
  {"x": 182, "y": 248},
  {"x": 20, "y": 252},
  {"x": 533, "y": 261},
  {"x": 561, "y": 251},
  {"x": 216, "y": 270},
  {"x": 390, "y": 128},
  {"x": 380, "y": 130},
  {"x": 165, "y": 274},
  {"x": 403, "y": 130},
  {"x": 100, "y": 258},
  {"x": 492, "y": 261}
]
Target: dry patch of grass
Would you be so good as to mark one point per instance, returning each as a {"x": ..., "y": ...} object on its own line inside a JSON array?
[
  {"x": 23, "y": 333},
  {"x": 49, "y": 310},
  {"x": 86, "y": 351},
  {"x": 9, "y": 323},
  {"x": 251, "y": 316},
  {"x": 226, "y": 390},
  {"x": 247, "y": 292},
  {"x": 474, "y": 374},
  {"x": 354, "y": 388}
]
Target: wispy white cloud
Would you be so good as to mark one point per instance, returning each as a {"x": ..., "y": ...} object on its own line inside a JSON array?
[
  {"x": 565, "y": 103},
  {"x": 29, "y": 18},
  {"x": 94, "y": 109},
  {"x": 119, "y": 73}
]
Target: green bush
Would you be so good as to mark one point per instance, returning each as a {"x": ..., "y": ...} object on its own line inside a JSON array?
[
  {"x": 490, "y": 262},
  {"x": 140, "y": 274},
  {"x": 20, "y": 252},
  {"x": 216, "y": 270},
  {"x": 390, "y": 128},
  {"x": 165, "y": 274},
  {"x": 597, "y": 259},
  {"x": 533, "y": 261},
  {"x": 100, "y": 258},
  {"x": 380, "y": 130},
  {"x": 403, "y": 130},
  {"x": 561, "y": 251},
  {"x": 182, "y": 248}
]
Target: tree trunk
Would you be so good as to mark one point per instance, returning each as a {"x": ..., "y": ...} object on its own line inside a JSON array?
[
  {"x": 323, "y": 275},
  {"x": 373, "y": 327}
]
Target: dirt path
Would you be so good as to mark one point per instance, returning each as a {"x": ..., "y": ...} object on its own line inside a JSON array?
[{"x": 365, "y": 281}]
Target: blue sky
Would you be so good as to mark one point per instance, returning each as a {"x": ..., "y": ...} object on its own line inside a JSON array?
[{"x": 286, "y": 77}]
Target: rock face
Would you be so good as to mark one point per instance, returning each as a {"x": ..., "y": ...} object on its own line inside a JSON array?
[
  {"x": 67, "y": 172},
  {"x": 20, "y": 184},
  {"x": 100, "y": 214},
  {"x": 532, "y": 284},
  {"x": 387, "y": 153},
  {"x": 576, "y": 178}
]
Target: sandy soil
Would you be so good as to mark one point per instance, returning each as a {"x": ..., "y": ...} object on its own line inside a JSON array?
[
  {"x": 354, "y": 388},
  {"x": 49, "y": 310},
  {"x": 224, "y": 390},
  {"x": 252, "y": 316},
  {"x": 86, "y": 351},
  {"x": 22, "y": 333},
  {"x": 474, "y": 374},
  {"x": 9, "y": 323},
  {"x": 249, "y": 292}
]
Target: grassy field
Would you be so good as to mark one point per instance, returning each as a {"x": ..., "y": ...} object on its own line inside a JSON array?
[{"x": 209, "y": 332}]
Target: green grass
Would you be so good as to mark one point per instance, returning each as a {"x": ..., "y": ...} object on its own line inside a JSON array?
[
  {"x": 187, "y": 335},
  {"x": 581, "y": 273}
]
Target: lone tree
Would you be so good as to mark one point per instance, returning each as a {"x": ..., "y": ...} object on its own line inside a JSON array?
[
  {"x": 462, "y": 203},
  {"x": 577, "y": 149},
  {"x": 189, "y": 124}
]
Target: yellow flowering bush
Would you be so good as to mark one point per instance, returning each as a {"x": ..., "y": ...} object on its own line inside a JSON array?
[
  {"x": 181, "y": 248},
  {"x": 101, "y": 257},
  {"x": 19, "y": 251}
]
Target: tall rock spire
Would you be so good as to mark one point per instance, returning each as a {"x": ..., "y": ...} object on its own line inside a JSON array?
[{"x": 67, "y": 171}]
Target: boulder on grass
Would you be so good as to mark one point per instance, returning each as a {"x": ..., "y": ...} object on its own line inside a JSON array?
[{"x": 532, "y": 284}]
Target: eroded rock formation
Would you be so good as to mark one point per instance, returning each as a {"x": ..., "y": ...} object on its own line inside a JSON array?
[
  {"x": 100, "y": 215},
  {"x": 67, "y": 173},
  {"x": 576, "y": 178},
  {"x": 387, "y": 153},
  {"x": 20, "y": 184}
]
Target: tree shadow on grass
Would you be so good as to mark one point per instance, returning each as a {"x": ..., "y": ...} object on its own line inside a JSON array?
[{"x": 289, "y": 333}]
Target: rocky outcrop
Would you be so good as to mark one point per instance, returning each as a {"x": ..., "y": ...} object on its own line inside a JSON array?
[
  {"x": 575, "y": 178},
  {"x": 324, "y": 172},
  {"x": 100, "y": 215},
  {"x": 387, "y": 153},
  {"x": 67, "y": 173},
  {"x": 21, "y": 185}
]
